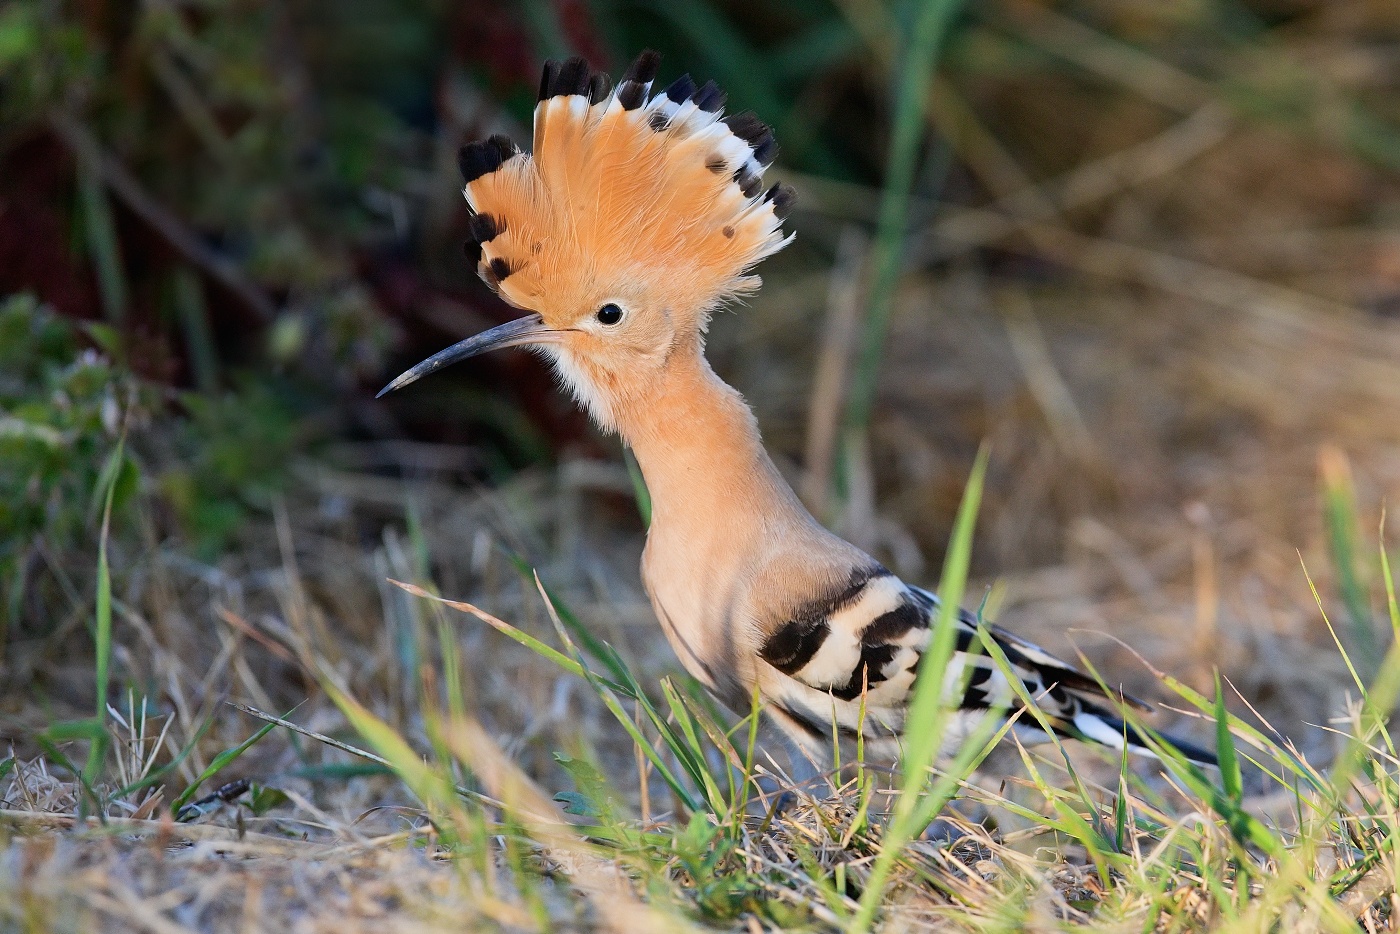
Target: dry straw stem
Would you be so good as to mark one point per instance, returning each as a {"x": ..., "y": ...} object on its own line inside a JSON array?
[
  {"x": 1276, "y": 314},
  {"x": 166, "y": 831},
  {"x": 1087, "y": 184},
  {"x": 1094, "y": 181},
  {"x": 1148, "y": 76},
  {"x": 1046, "y": 385},
  {"x": 843, "y": 314}
]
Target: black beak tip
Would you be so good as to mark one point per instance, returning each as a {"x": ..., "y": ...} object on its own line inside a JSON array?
[
  {"x": 511, "y": 334},
  {"x": 399, "y": 382}
]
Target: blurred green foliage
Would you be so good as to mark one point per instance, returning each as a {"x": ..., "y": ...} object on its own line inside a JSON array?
[
  {"x": 64, "y": 407},
  {"x": 62, "y": 410},
  {"x": 42, "y": 53},
  {"x": 231, "y": 455}
]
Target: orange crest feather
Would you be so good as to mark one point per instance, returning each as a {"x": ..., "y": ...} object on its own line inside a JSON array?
[{"x": 624, "y": 188}]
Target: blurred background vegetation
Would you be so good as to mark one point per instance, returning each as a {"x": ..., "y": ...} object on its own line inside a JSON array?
[{"x": 1148, "y": 249}]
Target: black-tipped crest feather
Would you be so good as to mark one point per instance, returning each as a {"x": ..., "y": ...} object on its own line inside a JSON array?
[
  {"x": 782, "y": 197},
  {"x": 748, "y": 127},
  {"x": 631, "y": 95},
  {"x": 480, "y": 158},
  {"x": 680, "y": 90},
  {"x": 766, "y": 151},
  {"x": 632, "y": 89},
  {"x": 485, "y": 227},
  {"x": 643, "y": 69},
  {"x": 551, "y": 71},
  {"x": 709, "y": 97},
  {"x": 599, "y": 87},
  {"x": 500, "y": 269},
  {"x": 572, "y": 78}
]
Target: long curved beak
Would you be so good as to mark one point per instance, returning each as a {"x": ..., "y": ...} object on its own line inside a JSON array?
[{"x": 530, "y": 329}]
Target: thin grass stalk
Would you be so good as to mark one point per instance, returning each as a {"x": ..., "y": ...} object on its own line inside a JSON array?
[
  {"x": 931, "y": 24},
  {"x": 221, "y": 761},
  {"x": 928, "y": 714},
  {"x": 430, "y": 784},
  {"x": 102, "y": 634},
  {"x": 193, "y": 315},
  {"x": 103, "y": 241},
  {"x": 639, "y": 486},
  {"x": 1339, "y": 502}
]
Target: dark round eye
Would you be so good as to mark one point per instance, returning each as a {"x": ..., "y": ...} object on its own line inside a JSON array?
[{"x": 609, "y": 314}]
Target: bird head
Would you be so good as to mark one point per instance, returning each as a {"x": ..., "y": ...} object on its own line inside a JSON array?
[{"x": 634, "y": 218}]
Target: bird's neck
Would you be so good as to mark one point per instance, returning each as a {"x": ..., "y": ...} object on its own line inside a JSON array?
[
  {"x": 698, "y": 445},
  {"x": 730, "y": 550}
]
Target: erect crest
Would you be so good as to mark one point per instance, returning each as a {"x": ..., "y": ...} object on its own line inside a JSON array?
[{"x": 625, "y": 186}]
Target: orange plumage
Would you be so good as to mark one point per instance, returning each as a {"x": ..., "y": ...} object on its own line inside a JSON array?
[{"x": 624, "y": 194}]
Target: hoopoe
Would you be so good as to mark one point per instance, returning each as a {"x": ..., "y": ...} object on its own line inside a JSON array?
[{"x": 634, "y": 219}]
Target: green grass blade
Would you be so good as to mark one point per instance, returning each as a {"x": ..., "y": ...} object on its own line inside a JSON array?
[
  {"x": 524, "y": 638},
  {"x": 219, "y": 763},
  {"x": 1389, "y": 581},
  {"x": 920, "y": 55},
  {"x": 1243, "y": 826},
  {"x": 103, "y": 241},
  {"x": 157, "y": 775},
  {"x": 1225, "y": 748},
  {"x": 922, "y": 729},
  {"x": 46, "y": 742},
  {"x": 1294, "y": 764},
  {"x": 969, "y": 756},
  {"x": 1346, "y": 656},
  {"x": 683, "y": 751},
  {"x": 1120, "y": 803},
  {"x": 600, "y": 651},
  {"x": 425, "y": 782},
  {"x": 924, "y": 724},
  {"x": 1339, "y": 503},
  {"x": 103, "y": 616},
  {"x": 193, "y": 314},
  {"x": 102, "y": 634},
  {"x": 689, "y": 715}
]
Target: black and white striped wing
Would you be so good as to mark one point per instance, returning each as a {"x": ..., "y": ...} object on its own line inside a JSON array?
[{"x": 848, "y": 664}]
